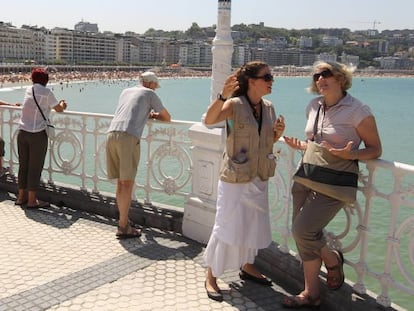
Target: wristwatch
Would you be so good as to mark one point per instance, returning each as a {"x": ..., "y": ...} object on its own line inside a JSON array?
[{"x": 220, "y": 97}]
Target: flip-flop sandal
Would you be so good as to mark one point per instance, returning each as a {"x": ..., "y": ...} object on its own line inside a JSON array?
[
  {"x": 336, "y": 277},
  {"x": 127, "y": 232}
]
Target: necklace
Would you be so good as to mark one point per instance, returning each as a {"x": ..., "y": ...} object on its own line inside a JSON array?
[
  {"x": 254, "y": 110},
  {"x": 334, "y": 102}
]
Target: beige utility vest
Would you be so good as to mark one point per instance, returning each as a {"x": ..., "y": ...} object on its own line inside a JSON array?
[{"x": 247, "y": 153}]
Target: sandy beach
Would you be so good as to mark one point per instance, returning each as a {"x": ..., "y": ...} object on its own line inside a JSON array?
[
  {"x": 23, "y": 79},
  {"x": 16, "y": 79}
]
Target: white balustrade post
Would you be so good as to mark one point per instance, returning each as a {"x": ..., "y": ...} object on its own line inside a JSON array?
[
  {"x": 200, "y": 207},
  {"x": 208, "y": 144}
]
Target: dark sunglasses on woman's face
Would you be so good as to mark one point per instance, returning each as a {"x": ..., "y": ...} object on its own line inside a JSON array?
[
  {"x": 266, "y": 77},
  {"x": 324, "y": 74}
]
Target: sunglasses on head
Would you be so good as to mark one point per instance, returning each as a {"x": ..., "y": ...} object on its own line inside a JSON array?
[
  {"x": 266, "y": 77},
  {"x": 324, "y": 74}
]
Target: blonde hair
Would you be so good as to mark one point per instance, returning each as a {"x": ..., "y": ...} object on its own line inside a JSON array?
[{"x": 341, "y": 72}]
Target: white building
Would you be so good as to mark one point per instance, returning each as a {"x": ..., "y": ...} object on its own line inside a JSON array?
[
  {"x": 351, "y": 60},
  {"x": 21, "y": 44},
  {"x": 305, "y": 42},
  {"x": 86, "y": 27},
  {"x": 332, "y": 41},
  {"x": 327, "y": 57}
]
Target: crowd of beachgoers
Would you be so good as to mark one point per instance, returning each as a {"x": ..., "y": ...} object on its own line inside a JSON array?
[{"x": 66, "y": 77}]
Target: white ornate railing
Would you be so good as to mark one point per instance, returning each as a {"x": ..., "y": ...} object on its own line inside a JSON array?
[
  {"x": 376, "y": 234},
  {"x": 77, "y": 155}
]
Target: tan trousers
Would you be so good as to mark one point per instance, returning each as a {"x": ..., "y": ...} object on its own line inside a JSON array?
[
  {"x": 312, "y": 212},
  {"x": 1, "y": 148}
]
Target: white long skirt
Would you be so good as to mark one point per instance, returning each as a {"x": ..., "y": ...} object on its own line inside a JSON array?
[{"x": 241, "y": 228}]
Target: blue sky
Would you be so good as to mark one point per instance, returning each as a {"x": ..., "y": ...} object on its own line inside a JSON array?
[{"x": 139, "y": 15}]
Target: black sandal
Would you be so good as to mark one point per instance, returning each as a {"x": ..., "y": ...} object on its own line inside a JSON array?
[
  {"x": 262, "y": 281},
  {"x": 128, "y": 232},
  {"x": 301, "y": 301},
  {"x": 336, "y": 277},
  {"x": 217, "y": 296}
]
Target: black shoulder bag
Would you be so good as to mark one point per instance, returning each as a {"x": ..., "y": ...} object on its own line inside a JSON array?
[
  {"x": 50, "y": 129},
  {"x": 326, "y": 173}
]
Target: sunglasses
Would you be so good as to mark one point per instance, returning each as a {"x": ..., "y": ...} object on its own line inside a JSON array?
[
  {"x": 324, "y": 74},
  {"x": 267, "y": 77}
]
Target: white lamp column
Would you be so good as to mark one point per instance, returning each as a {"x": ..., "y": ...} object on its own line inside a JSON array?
[{"x": 222, "y": 49}]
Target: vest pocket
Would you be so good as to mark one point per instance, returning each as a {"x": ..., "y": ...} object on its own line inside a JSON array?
[
  {"x": 236, "y": 172},
  {"x": 268, "y": 164}
]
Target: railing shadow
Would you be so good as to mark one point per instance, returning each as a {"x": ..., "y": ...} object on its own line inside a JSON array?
[{"x": 158, "y": 241}]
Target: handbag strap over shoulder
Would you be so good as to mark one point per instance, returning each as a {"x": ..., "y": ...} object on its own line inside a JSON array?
[
  {"x": 315, "y": 125},
  {"x": 34, "y": 97}
]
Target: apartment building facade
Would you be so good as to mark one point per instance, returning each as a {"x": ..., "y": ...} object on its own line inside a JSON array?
[
  {"x": 21, "y": 44},
  {"x": 83, "y": 47}
]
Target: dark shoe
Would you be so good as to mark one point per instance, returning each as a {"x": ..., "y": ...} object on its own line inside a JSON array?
[
  {"x": 336, "y": 277},
  {"x": 262, "y": 281},
  {"x": 4, "y": 171},
  {"x": 20, "y": 203},
  {"x": 299, "y": 301},
  {"x": 127, "y": 232},
  {"x": 217, "y": 296},
  {"x": 38, "y": 205}
]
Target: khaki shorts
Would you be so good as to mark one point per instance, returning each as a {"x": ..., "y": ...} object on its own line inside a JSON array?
[{"x": 122, "y": 155}]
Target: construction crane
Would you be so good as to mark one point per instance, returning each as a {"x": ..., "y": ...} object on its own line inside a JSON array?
[{"x": 374, "y": 23}]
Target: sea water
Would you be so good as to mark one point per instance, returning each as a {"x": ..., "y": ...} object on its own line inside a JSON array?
[{"x": 390, "y": 99}]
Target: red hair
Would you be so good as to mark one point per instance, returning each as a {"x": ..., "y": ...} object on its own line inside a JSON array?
[{"x": 40, "y": 75}]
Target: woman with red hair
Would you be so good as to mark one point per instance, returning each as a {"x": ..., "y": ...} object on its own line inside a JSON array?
[{"x": 32, "y": 139}]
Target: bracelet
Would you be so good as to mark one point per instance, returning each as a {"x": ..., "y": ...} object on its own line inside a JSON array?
[{"x": 220, "y": 97}]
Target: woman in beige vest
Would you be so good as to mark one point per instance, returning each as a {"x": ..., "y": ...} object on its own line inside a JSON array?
[{"x": 242, "y": 223}]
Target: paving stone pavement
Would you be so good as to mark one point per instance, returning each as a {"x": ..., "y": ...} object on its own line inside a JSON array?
[{"x": 57, "y": 258}]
